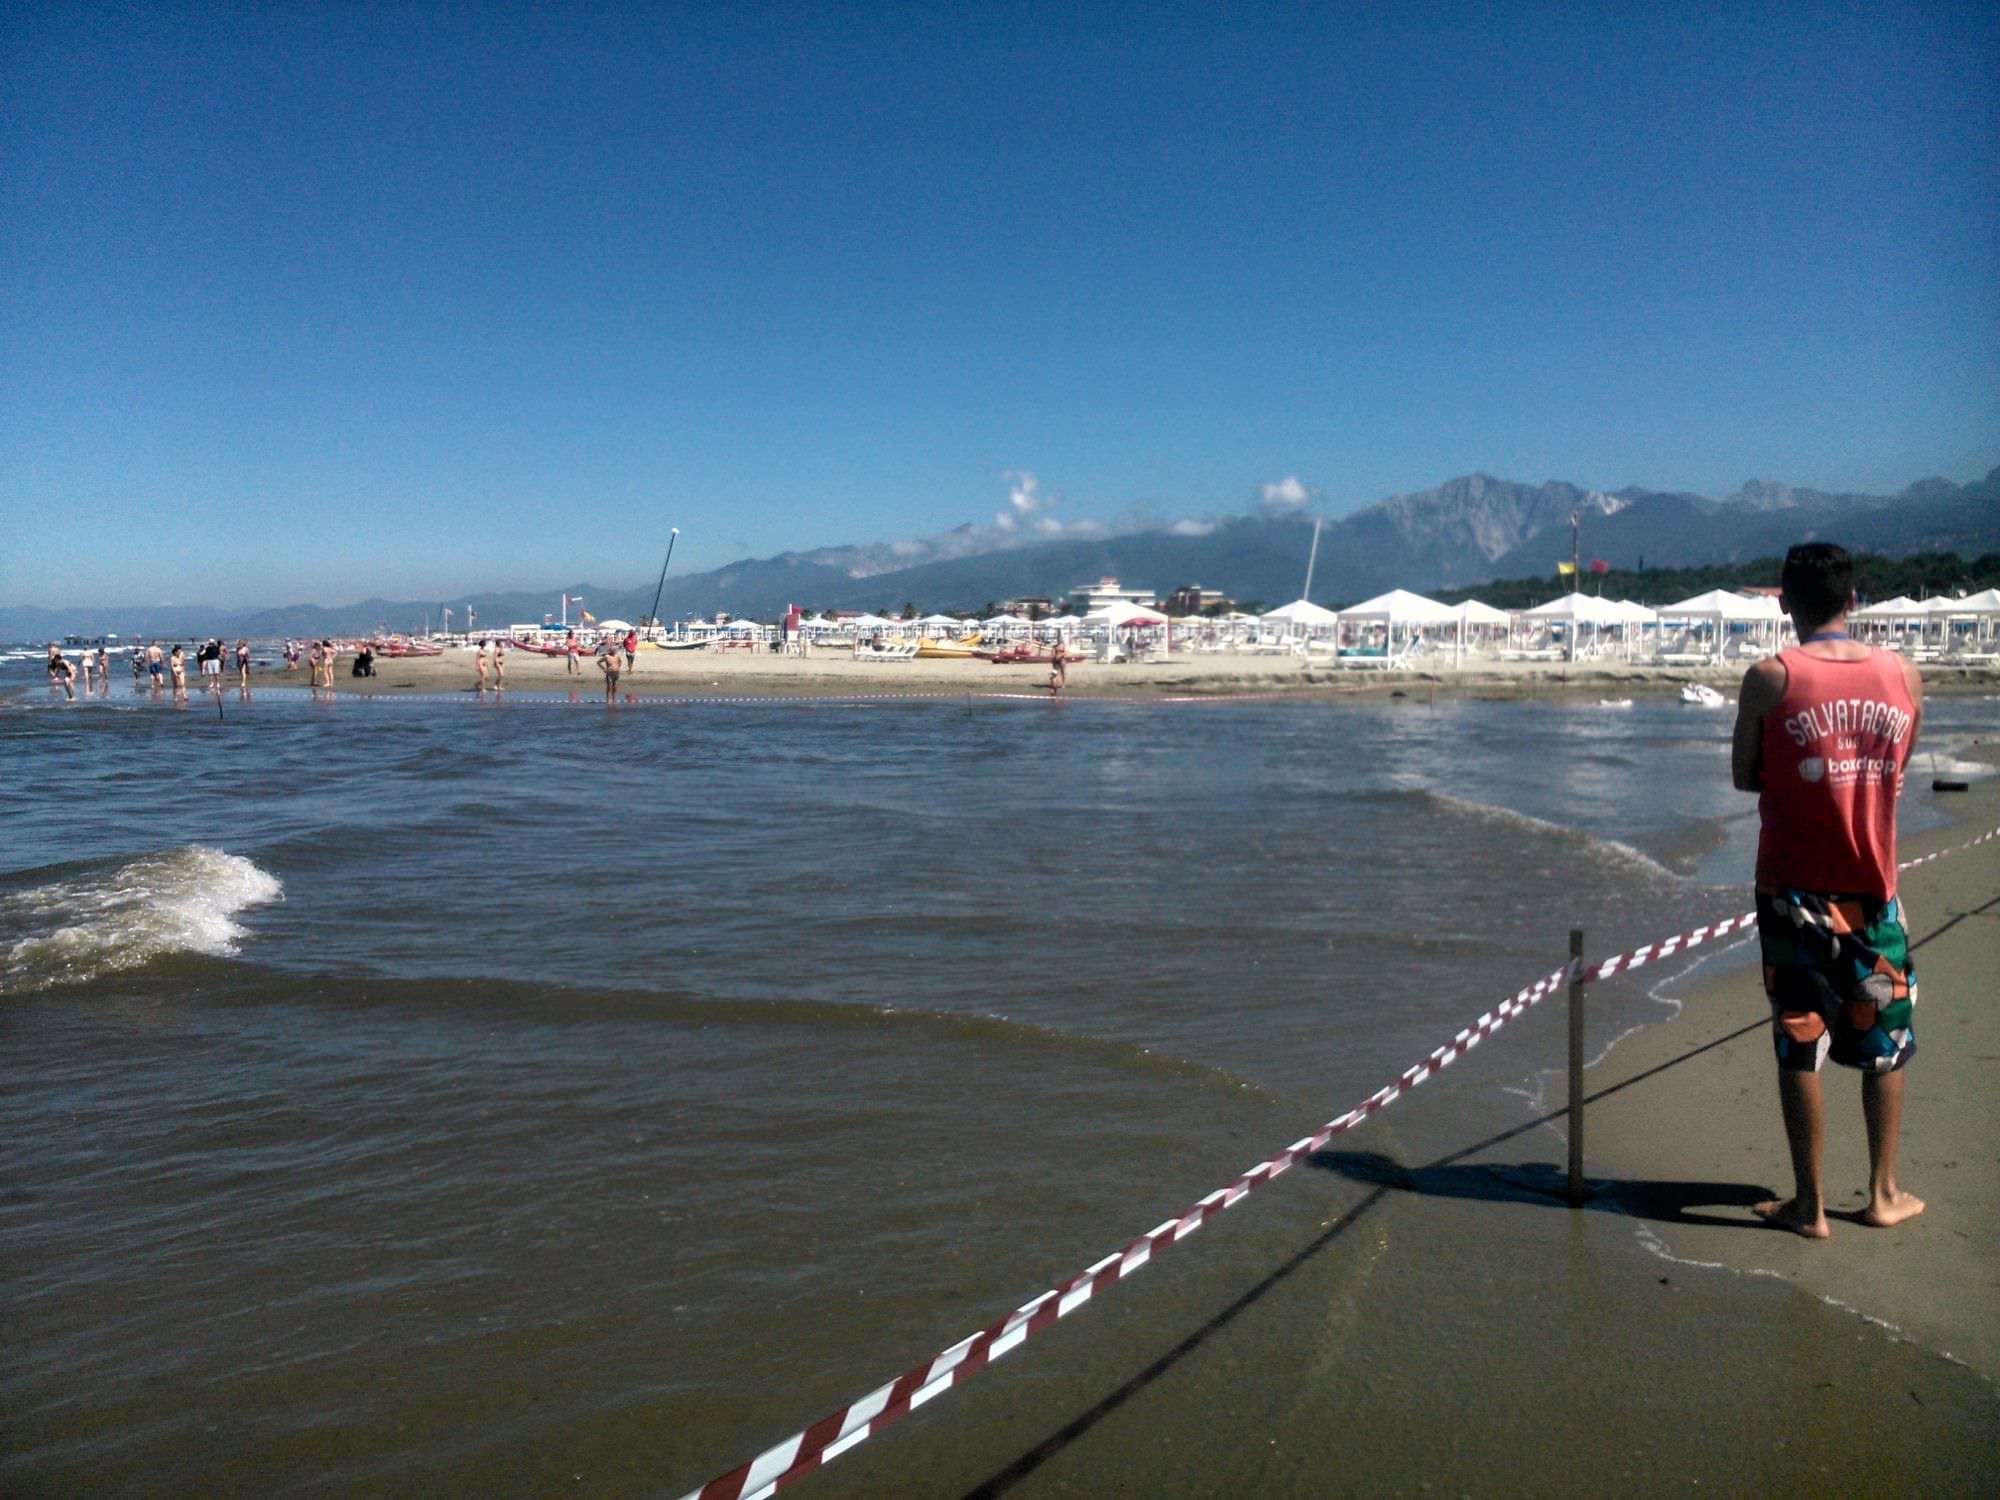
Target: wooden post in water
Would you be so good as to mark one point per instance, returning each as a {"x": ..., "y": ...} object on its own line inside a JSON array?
[{"x": 1577, "y": 1192}]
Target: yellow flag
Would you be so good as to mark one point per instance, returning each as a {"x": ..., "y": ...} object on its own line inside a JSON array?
[{"x": 1565, "y": 570}]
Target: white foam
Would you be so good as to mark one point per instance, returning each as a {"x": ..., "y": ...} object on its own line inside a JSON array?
[
  {"x": 1944, "y": 763},
  {"x": 178, "y": 901},
  {"x": 1613, "y": 851}
]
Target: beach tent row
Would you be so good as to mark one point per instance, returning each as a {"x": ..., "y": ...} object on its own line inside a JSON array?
[{"x": 1984, "y": 604}]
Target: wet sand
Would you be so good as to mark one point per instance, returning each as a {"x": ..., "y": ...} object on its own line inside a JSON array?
[{"x": 1715, "y": 1116}]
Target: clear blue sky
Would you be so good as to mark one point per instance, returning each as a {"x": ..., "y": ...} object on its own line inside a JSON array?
[{"x": 314, "y": 303}]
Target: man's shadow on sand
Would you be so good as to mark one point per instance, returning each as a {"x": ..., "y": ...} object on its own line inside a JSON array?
[{"x": 1546, "y": 1184}]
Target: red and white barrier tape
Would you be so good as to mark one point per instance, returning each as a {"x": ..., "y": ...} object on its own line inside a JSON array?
[{"x": 834, "y": 1434}]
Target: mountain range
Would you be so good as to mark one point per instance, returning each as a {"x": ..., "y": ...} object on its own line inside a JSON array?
[{"x": 1460, "y": 533}]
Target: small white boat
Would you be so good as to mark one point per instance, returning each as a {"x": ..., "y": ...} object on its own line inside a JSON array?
[
  {"x": 885, "y": 650},
  {"x": 1614, "y": 702},
  {"x": 1701, "y": 695}
]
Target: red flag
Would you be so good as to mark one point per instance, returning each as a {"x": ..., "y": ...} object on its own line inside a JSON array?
[{"x": 1599, "y": 565}]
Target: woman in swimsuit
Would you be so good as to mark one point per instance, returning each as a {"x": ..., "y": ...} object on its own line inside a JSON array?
[
  {"x": 243, "y": 664},
  {"x": 177, "y": 670},
  {"x": 500, "y": 663}
]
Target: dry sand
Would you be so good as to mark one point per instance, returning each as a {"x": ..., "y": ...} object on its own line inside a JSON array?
[{"x": 737, "y": 672}]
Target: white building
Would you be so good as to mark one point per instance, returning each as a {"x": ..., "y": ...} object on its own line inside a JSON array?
[{"x": 1087, "y": 597}]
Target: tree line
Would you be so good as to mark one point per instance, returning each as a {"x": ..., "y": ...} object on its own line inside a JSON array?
[{"x": 1919, "y": 576}]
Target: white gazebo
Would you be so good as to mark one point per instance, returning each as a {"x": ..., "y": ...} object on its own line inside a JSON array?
[
  {"x": 1575, "y": 611},
  {"x": 1303, "y": 619},
  {"x": 1113, "y": 618},
  {"x": 1478, "y": 619},
  {"x": 1722, "y": 610},
  {"x": 1400, "y": 610},
  {"x": 1975, "y": 614}
]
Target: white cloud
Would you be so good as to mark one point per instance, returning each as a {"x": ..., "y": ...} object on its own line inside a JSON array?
[
  {"x": 1287, "y": 493},
  {"x": 1024, "y": 498},
  {"x": 1193, "y": 528}
]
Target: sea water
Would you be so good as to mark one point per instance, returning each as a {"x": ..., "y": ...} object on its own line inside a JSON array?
[{"x": 405, "y": 1096}]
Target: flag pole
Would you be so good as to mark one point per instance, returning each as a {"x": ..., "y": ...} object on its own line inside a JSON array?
[{"x": 672, "y": 537}]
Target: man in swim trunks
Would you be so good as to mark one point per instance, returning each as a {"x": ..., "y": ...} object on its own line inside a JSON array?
[
  {"x": 156, "y": 662},
  {"x": 607, "y": 663},
  {"x": 1823, "y": 731}
]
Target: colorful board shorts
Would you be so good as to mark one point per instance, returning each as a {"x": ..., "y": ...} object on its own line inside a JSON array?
[{"x": 1838, "y": 973}]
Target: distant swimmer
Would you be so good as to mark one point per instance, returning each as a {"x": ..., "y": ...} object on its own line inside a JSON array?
[
  {"x": 156, "y": 664},
  {"x": 243, "y": 664},
  {"x": 177, "y": 671},
  {"x": 479, "y": 661},
  {"x": 1823, "y": 732},
  {"x": 1058, "y": 671},
  {"x": 500, "y": 662}
]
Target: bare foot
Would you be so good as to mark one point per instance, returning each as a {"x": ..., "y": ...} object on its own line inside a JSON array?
[
  {"x": 1785, "y": 1213},
  {"x": 1897, "y": 1207}
]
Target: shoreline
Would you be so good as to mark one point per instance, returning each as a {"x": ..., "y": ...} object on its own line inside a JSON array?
[{"x": 700, "y": 673}]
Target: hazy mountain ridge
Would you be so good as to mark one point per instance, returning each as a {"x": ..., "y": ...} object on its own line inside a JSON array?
[{"x": 1458, "y": 533}]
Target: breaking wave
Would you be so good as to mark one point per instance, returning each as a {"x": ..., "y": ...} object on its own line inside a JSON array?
[
  {"x": 1613, "y": 852},
  {"x": 179, "y": 901}
]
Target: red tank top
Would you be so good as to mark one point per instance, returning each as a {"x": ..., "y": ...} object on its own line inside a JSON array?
[{"x": 1834, "y": 750}]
